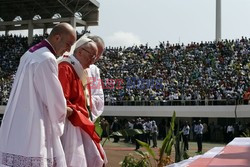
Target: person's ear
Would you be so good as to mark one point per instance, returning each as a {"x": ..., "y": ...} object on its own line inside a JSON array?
[
  {"x": 58, "y": 37},
  {"x": 78, "y": 52}
]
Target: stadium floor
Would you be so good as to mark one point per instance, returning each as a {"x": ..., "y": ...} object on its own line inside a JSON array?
[{"x": 117, "y": 151}]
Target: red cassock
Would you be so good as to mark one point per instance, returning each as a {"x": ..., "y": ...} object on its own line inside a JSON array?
[{"x": 74, "y": 94}]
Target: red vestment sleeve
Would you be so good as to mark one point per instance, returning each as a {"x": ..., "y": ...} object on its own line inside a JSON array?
[{"x": 66, "y": 77}]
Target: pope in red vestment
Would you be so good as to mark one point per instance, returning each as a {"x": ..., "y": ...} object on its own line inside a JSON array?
[{"x": 80, "y": 141}]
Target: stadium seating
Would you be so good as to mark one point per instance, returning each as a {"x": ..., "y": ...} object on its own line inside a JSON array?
[{"x": 206, "y": 73}]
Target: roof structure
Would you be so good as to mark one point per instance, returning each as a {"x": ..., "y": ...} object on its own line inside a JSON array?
[{"x": 19, "y": 14}]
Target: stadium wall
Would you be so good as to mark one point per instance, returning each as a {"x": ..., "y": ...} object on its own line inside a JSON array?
[{"x": 242, "y": 111}]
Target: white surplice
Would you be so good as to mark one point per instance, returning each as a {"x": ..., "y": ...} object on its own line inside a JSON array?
[
  {"x": 80, "y": 150},
  {"x": 97, "y": 95},
  {"x": 35, "y": 114}
]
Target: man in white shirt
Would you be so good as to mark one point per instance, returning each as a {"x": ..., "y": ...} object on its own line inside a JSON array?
[
  {"x": 199, "y": 133},
  {"x": 154, "y": 132},
  {"x": 186, "y": 130},
  {"x": 230, "y": 133},
  {"x": 34, "y": 117},
  {"x": 148, "y": 128}
]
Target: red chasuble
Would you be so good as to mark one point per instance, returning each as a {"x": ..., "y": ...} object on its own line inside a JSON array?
[{"x": 74, "y": 94}]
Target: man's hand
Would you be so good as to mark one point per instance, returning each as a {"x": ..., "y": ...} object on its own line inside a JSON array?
[{"x": 69, "y": 111}]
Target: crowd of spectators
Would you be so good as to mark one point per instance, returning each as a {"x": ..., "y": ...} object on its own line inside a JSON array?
[
  {"x": 168, "y": 74},
  {"x": 197, "y": 72},
  {"x": 11, "y": 49}
]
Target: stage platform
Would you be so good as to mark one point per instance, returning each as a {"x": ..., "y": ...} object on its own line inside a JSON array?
[{"x": 234, "y": 154}]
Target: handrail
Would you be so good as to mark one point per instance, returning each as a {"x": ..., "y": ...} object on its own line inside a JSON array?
[
  {"x": 177, "y": 102},
  {"x": 173, "y": 102}
]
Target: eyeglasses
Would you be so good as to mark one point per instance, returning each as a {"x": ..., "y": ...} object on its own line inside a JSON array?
[{"x": 93, "y": 56}]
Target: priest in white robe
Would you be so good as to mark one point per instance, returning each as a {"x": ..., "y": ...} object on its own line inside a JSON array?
[
  {"x": 35, "y": 114},
  {"x": 97, "y": 95}
]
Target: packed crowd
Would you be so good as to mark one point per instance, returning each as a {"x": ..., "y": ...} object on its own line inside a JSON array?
[
  {"x": 169, "y": 74},
  {"x": 11, "y": 49},
  {"x": 197, "y": 71}
]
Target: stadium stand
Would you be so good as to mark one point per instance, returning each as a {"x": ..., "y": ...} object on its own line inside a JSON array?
[
  {"x": 206, "y": 73},
  {"x": 196, "y": 72}
]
